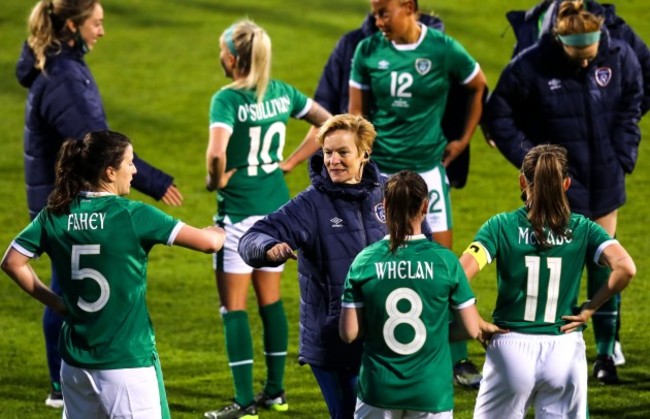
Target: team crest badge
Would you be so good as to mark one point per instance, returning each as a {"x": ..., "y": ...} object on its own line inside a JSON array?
[
  {"x": 603, "y": 76},
  {"x": 380, "y": 212},
  {"x": 423, "y": 65}
]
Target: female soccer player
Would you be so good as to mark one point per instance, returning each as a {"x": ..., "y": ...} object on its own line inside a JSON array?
[
  {"x": 248, "y": 121},
  {"x": 540, "y": 250},
  {"x": 397, "y": 296},
  {"x": 98, "y": 242}
]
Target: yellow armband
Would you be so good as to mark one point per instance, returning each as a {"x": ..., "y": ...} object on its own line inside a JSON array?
[{"x": 478, "y": 252}]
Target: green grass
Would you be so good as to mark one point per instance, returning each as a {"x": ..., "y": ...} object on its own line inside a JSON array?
[{"x": 157, "y": 68}]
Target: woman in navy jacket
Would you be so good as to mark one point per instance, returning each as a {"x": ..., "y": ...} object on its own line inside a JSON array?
[
  {"x": 330, "y": 223},
  {"x": 581, "y": 89},
  {"x": 64, "y": 102}
]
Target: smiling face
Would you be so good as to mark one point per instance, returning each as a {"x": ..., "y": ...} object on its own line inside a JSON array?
[
  {"x": 123, "y": 175},
  {"x": 93, "y": 28},
  {"x": 343, "y": 160}
]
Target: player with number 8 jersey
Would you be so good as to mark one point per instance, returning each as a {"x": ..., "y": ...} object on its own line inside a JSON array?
[{"x": 398, "y": 293}]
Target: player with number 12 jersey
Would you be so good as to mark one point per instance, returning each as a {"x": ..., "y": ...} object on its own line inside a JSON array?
[
  {"x": 258, "y": 131},
  {"x": 409, "y": 84},
  {"x": 406, "y": 297}
]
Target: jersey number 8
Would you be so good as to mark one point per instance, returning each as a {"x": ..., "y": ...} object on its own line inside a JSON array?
[{"x": 410, "y": 317}]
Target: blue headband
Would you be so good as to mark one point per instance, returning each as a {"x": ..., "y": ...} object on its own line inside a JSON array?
[
  {"x": 580, "y": 39},
  {"x": 227, "y": 38}
]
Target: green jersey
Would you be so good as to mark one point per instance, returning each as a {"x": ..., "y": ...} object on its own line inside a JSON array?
[
  {"x": 406, "y": 297},
  {"x": 100, "y": 252},
  {"x": 258, "y": 132},
  {"x": 536, "y": 287},
  {"x": 409, "y": 86}
]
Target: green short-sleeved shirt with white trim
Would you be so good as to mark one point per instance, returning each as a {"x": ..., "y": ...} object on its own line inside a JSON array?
[
  {"x": 406, "y": 297},
  {"x": 258, "y": 132},
  {"x": 100, "y": 252},
  {"x": 536, "y": 287},
  {"x": 409, "y": 86}
]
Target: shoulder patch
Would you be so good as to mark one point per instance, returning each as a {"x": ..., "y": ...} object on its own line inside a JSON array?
[{"x": 380, "y": 212}]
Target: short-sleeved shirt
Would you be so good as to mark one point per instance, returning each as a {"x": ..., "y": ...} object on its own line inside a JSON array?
[
  {"x": 258, "y": 132},
  {"x": 536, "y": 287},
  {"x": 100, "y": 252},
  {"x": 409, "y": 86},
  {"x": 406, "y": 297}
]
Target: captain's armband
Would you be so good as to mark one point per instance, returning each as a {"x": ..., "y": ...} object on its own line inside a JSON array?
[{"x": 478, "y": 252}]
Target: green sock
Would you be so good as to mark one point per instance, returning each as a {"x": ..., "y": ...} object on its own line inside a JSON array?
[
  {"x": 458, "y": 351},
  {"x": 604, "y": 320},
  {"x": 276, "y": 340},
  {"x": 239, "y": 346}
]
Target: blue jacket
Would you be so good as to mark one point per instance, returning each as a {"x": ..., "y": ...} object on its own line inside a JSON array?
[
  {"x": 593, "y": 112},
  {"x": 329, "y": 224},
  {"x": 333, "y": 91},
  {"x": 528, "y": 25},
  {"x": 64, "y": 102}
]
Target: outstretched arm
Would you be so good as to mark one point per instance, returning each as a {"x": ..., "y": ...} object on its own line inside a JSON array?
[{"x": 207, "y": 240}]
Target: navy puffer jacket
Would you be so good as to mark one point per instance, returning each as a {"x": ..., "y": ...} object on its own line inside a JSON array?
[
  {"x": 529, "y": 24},
  {"x": 329, "y": 224},
  {"x": 594, "y": 112},
  {"x": 64, "y": 102}
]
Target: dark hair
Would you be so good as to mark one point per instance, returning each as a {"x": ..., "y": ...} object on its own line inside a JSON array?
[
  {"x": 572, "y": 19},
  {"x": 404, "y": 193},
  {"x": 545, "y": 169},
  {"x": 81, "y": 164},
  {"x": 47, "y": 28}
]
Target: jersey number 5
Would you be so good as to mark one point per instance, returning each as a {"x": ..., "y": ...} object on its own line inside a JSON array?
[
  {"x": 79, "y": 274},
  {"x": 410, "y": 317},
  {"x": 554, "y": 266}
]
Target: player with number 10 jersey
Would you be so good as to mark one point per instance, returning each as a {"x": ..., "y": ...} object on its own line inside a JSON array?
[
  {"x": 406, "y": 297},
  {"x": 258, "y": 131}
]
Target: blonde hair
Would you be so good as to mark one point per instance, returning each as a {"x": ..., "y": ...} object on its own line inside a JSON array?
[
  {"x": 364, "y": 132},
  {"x": 253, "y": 56},
  {"x": 47, "y": 25},
  {"x": 573, "y": 18}
]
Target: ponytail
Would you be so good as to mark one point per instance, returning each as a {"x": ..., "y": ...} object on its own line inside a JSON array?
[
  {"x": 404, "y": 194},
  {"x": 574, "y": 19},
  {"x": 68, "y": 184},
  {"x": 251, "y": 46},
  {"x": 545, "y": 169}
]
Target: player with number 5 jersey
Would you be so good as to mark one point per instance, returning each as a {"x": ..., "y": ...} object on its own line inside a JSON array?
[
  {"x": 540, "y": 250},
  {"x": 397, "y": 296},
  {"x": 99, "y": 242},
  {"x": 248, "y": 121}
]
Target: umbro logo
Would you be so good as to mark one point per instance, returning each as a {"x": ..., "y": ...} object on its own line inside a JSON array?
[
  {"x": 383, "y": 65},
  {"x": 554, "y": 84},
  {"x": 336, "y": 222}
]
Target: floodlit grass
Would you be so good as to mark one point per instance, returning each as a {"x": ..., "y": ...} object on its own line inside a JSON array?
[{"x": 157, "y": 68}]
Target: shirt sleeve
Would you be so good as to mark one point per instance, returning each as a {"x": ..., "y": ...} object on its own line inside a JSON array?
[
  {"x": 31, "y": 241},
  {"x": 598, "y": 240},
  {"x": 462, "y": 295},
  {"x": 152, "y": 225},
  {"x": 462, "y": 66},
  {"x": 222, "y": 111},
  {"x": 487, "y": 236},
  {"x": 359, "y": 76},
  {"x": 300, "y": 103},
  {"x": 352, "y": 295}
]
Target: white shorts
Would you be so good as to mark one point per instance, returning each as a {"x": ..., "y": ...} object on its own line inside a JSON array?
[
  {"x": 131, "y": 393},
  {"x": 228, "y": 259},
  {"x": 547, "y": 372},
  {"x": 364, "y": 411},
  {"x": 439, "y": 212}
]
